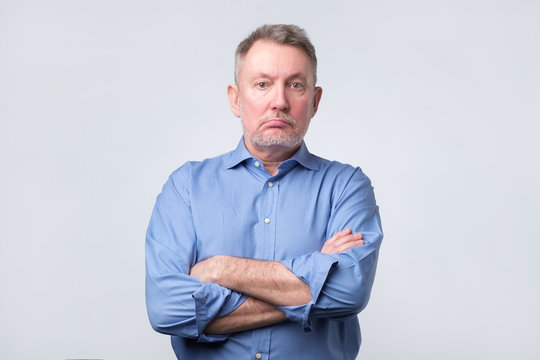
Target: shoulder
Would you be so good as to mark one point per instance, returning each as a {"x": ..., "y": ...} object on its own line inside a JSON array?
[
  {"x": 339, "y": 171},
  {"x": 343, "y": 179},
  {"x": 194, "y": 168},
  {"x": 192, "y": 172}
]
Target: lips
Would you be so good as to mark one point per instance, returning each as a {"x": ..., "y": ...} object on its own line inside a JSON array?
[{"x": 276, "y": 122}]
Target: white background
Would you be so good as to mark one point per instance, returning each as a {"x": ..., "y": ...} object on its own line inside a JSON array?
[{"x": 437, "y": 101}]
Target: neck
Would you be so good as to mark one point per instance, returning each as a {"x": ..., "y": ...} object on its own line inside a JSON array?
[{"x": 271, "y": 156}]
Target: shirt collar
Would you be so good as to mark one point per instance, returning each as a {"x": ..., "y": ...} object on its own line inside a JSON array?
[
  {"x": 302, "y": 157},
  {"x": 238, "y": 155}
]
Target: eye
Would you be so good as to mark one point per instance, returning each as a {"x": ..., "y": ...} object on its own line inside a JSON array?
[
  {"x": 297, "y": 85},
  {"x": 262, "y": 85}
]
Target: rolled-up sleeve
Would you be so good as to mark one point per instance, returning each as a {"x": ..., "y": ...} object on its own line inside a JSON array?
[
  {"x": 177, "y": 303},
  {"x": 340, "y": 284}
]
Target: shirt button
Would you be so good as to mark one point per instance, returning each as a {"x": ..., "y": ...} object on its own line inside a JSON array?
[
  {"x": 267, "y": 221},
  {"x": 258, "y": 355},
  {"x": 257, "y": 164},
  {"x": 270, "y": 184}
]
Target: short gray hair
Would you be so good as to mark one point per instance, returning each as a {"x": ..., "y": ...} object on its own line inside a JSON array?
[{"x": 280, "y": 34}]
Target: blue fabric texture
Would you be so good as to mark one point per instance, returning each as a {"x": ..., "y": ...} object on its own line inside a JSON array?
[{"x": 230, "y": 205}]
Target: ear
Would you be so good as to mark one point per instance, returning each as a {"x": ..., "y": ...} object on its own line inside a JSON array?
[
  {"x": 234, "y": 99},
  {"x": 316, "y": 99}
]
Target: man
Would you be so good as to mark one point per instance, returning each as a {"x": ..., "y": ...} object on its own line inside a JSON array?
[{"x": 266, "y": 252}]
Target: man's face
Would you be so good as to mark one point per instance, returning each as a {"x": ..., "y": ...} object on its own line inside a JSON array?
[{"x": 275, "y": 95}]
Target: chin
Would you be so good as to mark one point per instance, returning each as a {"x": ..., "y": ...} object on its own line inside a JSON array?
[{"x": 289, "y": 141}]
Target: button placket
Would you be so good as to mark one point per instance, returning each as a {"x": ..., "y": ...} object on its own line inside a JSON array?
[
  {"x": 269, "y": 185},
  {"x": 265, "y": 249}
]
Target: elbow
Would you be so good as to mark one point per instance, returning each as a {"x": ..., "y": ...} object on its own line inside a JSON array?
[
  {"x": 167, "y": 316},
  {"x": 155, "y": 308},
  {"x": 180, "y": 325},
  {"x": 168, "y": 323},
  {"x": 157, "y": 326},
  {"x": 347, "y": 293},
  {"x": 355, "y": 301},
  {"x": 158, "y": 321},
  {"x": 343, "y": 302},
  {"x": 362, "y": 285},
  {"x": 362, "y": 294}
]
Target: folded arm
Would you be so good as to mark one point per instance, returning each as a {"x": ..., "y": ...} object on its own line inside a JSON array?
[
  {"x": 268, "y": 283},
  {"x": 339, "y": 278},
  {"x": 341, "y": 282},
  {"x": 252, "y": 314},
  {"x": 179, "y": 304},
  {"x": 211, "y": 297}
]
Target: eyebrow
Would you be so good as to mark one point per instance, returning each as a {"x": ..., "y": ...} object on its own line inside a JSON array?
[
  {"x": 298, "y": 75},
  {"x": 293, "y": 76}
]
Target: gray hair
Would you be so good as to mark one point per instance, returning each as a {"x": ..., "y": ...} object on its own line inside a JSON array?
[{"x": 280, "y": 34}]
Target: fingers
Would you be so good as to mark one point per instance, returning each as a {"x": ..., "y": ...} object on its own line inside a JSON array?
[
  {"x": 348, "y": 242},
  {"x": 347, "y": 239},
  {"x": 339, "y": 235},
  {"x": 342, "y": 241}
]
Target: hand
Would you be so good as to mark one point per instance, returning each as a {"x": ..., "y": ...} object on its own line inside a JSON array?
[
  {"x": 341, "y": 242},
  {"x": 207, "y": 270}
]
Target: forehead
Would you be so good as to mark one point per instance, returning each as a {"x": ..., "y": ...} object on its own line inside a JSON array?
[{"x": 272, "y": 58}]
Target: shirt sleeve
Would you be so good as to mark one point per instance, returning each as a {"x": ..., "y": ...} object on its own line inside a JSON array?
[
  {"x": 177, "y": 303},
  {"x": 340, "y": 284}
]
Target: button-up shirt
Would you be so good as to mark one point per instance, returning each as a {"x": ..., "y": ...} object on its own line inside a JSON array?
[{"x": 230, "y": 205}]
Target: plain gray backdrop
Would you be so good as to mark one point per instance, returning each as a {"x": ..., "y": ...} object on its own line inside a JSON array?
[{"x": 437, "y": 101}]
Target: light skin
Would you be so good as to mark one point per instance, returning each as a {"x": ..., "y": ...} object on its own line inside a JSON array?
[
  {"x": 274, "y": 84},
  {"x": 267, "y": 283}
]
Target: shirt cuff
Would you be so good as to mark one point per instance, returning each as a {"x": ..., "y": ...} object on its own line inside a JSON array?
[
  {"x": 213, "y": 301},
  {"x": 313, "y": 269}
]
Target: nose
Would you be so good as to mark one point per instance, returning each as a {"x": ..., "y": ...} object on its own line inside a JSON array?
[{"x": 279, "y": 100}]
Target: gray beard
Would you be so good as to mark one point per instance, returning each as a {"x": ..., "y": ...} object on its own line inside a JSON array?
[{"x": 261, "y": 140}]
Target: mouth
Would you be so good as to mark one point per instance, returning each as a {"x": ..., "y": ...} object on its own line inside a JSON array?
[{"x": 278, "y": 120}]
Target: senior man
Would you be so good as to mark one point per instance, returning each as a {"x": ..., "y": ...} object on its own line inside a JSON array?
[{"x": 268, "y": 251}]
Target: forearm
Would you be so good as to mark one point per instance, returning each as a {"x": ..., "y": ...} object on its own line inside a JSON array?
[
  {"x": 269, "y": 281},
  {"x": 252, "y": 314}
]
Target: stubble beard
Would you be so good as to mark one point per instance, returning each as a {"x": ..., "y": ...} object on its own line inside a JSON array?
[{"x": 277, "y": 137}]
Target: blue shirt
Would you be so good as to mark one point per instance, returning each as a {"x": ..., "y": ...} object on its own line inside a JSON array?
[{"x": 230, "y": 205}]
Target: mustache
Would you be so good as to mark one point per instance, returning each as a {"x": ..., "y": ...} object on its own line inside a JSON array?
[{"x": 286, "y": 117}]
